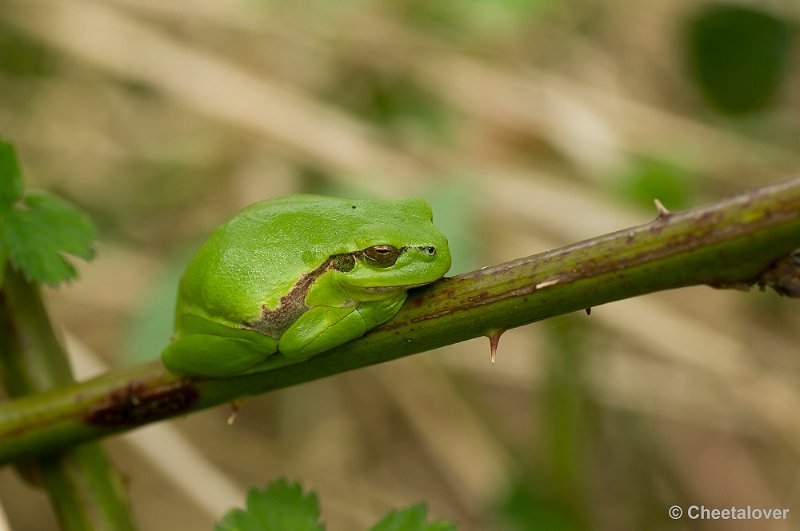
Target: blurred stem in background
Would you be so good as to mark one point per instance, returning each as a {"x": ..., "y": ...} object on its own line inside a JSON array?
[
  {"x": 85, "y": 489},
  {"x": 551, "y": 490},
  {"x": 564, "y": 409}
]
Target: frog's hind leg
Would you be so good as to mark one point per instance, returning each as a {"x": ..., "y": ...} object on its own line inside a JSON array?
[{"x": 213, "y": 356}]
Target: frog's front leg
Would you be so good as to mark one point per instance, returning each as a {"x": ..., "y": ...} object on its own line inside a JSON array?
[
  {"x": 324, "y": 327},
  {"x": 320, "y": 329}
]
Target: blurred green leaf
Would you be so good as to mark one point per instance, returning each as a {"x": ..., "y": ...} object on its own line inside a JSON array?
[
  {"x": 648, "y": 179},
  {"x": 411, "y": 519},
  {"x": 738, "y": 55},
  {"x": 471, "y": 18},
  {"x": 527, "y": 507},
  {"x": 151, "y": 326},
  {"x": 455, "y": 204},
  {"x": 392, "y": 100},
  {"x": 20, "y": 56},
  {"x": 37, "y": 231},
  {"x": 281, "y": 506},
  {"x": 10, "y": 175}
]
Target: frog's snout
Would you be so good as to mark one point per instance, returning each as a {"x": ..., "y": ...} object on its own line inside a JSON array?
[{"x": 424, "y": 253}]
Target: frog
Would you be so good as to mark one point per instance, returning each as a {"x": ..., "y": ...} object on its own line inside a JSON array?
[{"x": 291, "y": 277}]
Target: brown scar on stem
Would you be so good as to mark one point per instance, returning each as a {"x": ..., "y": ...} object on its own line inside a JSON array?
[
  {"x": 138, "y": 403},
  {"x": 783, "y": 275}
]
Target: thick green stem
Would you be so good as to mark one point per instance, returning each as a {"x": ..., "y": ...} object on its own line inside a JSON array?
[
  {"x": 735, "y": 242},
  {"x": 83, "y": 486}
]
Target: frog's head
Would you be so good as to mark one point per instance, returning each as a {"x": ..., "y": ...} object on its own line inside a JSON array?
[{"x": 397, "y": 247}]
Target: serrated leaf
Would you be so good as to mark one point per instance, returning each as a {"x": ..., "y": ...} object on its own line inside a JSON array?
[
  {"x": 411, "y": 519},
  {"x": 10, "y": 175},
  {"x": 281, "y": 506},
  {"x": 39, "y": 233}
]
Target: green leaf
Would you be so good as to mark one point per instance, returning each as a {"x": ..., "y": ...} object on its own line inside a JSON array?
[
  {"x": 10, "y": 175},
  {"x": 411, "y": 519},
  {"x": 281, "y": 506},
  {"x": 40, "y": 232},
  {"x": 738, "y": 54},
  {"x": 647, "y": 179}
]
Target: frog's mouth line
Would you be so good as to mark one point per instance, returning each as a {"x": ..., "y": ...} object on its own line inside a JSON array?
[{"x": 402, "y": 287}]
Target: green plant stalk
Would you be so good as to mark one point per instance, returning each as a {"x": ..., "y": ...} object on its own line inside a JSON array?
[
  {"x": 84, "y": 488},
  {"x": 729, "y": 243}
]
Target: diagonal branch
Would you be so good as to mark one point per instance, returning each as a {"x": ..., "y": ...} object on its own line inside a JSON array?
[{"x": 744, "y": 240}]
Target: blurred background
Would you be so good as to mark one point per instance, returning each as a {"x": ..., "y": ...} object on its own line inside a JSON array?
[{"x": 528, "y": 124}]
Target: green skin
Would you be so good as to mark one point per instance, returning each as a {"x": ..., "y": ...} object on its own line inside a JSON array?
[{"x": 299, "y": 275}]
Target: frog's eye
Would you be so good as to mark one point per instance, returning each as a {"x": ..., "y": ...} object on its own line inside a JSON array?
[{"x": 382, "y": 255}]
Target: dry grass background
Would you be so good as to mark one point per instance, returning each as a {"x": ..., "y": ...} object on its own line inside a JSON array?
[{"x": 521, "y": 122}]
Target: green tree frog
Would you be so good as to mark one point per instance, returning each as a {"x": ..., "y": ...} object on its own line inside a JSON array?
[{"x": 297, "y": 276}]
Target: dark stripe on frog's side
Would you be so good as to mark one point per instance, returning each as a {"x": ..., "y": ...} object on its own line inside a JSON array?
[{"x": 274, "y": 323}]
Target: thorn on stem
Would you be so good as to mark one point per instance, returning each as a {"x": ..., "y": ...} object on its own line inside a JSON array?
[
  {"x": 236, "y": 405},
  {"x": 546, "y": 283},
  {"x": 588, "y": 311},
  {"x": 663, "y": 212},
  {"x": 494, "y": 339}
]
